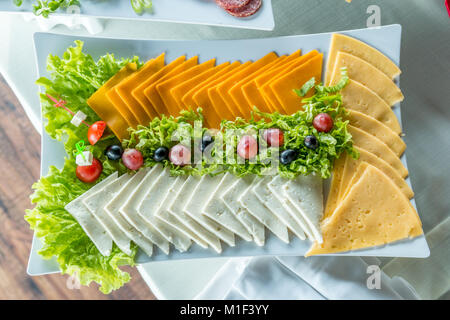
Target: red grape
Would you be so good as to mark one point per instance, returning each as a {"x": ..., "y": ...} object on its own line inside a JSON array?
[
  {"x": 323, "y": 122},
  {"x": 132, "y": 159},
  {"x": 180, "y": 155},
  {"x": 247, "y": 147},
  {"x": 274, "y": 137}
]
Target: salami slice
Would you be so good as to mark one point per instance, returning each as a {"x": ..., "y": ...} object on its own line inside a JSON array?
[
  {"x": 249, "y": 9},
  {"x": 232, "y": 4}
]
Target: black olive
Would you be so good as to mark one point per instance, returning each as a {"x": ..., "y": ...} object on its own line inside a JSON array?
[
  {"x": 114, "y": 152},
  {"x": 311, "y": 142},
  {"x": 287, "y": 156},
  {"x": 162, "y": 153},
  {"x": 206, "y": 141}
]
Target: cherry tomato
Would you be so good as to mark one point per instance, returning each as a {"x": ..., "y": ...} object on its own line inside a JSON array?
[
  {"x": 95, "y": 131},
  {"x": 89, "y": 174},
  {"x": 323, "y": 122},
  {"x": 247, "y": 147},
  {"x": 132, "y": 159},
  {"x": 274, "y": 137},
  {"x": 180, "y": 155}
]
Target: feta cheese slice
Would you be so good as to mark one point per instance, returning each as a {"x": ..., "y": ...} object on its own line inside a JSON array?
[
  {"x": 197, "y": 200},
  {"x": 84, "y": 159},
  {"x": 96, "y": 204},
  {"x": 93, "y": 228},
  {"x": 249, "y": 201},
  {"x": 306, "y": 194},
  {"x": 216, "y": 209},
  {"x": 177, "y": 209},
  {"x": 146, "y": 200},
  {"x": 113, "y": 208},
  {"x": 263, "y": 193},
  {"x": 230, "y": 199},
  {"x": 276, "y": 187},
  {"x": 78, "y": 118},
  {"x": 164, "y": 214}
]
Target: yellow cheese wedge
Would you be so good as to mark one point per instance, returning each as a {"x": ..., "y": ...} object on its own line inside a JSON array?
[
  {"x": 333, "y": 193},
  {"x": 283, "y": 88},
  {"x": 224, "y": 88},
  {"x": 377, "y": 129},
  {"x": 152, "y": 93},
  {"x": 357, "y": 97},
  {"x": 263, "y": 81},
  {"x": 105, "y": 109},
  {"x": 374, "y": 145},
  {"x": 373, "y": 213},
  {"x": 340, "y": 42},
  {"x": 368, "y": 75},
  {"x": 124, "y": 89},
  {"x": 164, "y": 88},
  {"x": 217, "y": 102},
  {"x": 138, "y": 93},
  {"x": 121, "y": 106},
  {"x": 364, "y": 156},
  {"x": 237, "y": 94},
  {"x": 201, "y": 97}
]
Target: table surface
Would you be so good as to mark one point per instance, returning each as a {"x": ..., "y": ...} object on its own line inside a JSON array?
[{"x": 425, "y": 83}]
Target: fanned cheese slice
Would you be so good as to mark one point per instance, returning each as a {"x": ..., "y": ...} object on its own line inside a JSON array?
[
  {"x": 283, "y": 88},
  {"x": 377, "y": 129},
  {"x": 218, "y": 211},
  {"x": 138, "y": 93},
  {"x": 124, "y": 89},
  {"x": 201, "y": 98},
  {"x": 340, "y": 42},
  {"x": 103, "y": 107},
  {"x": 254, "y": 95},
  {"x": 120, "y": 230},
  {"x": 250, "y": 202},
  {"x": 368, "y": 75},
  {"x": 88, "y": 222},
  {"x": 374, "y": 212},
  {"x": 152, "y": 93},
  {"x": 336, "y": 179},
  {"x": 176, "y": 208},
  {"x": 122, "y": 107},
  {"x": 230, "y": 198},
  {"x": 262, "y": 192},
  {"x": 165, "y": 88},
  {"x": 357, "y": 97},
  {"x": 374, "y": 145},
  {"x": 164, "y": 214},
  {"x": 131, "y": 209}
]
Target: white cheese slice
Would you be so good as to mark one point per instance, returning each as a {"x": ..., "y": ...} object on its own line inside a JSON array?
[
  {"x": 230, "y": 198},
  {"x": 216, "y": 209},
  {"x": 113, "y": 208},
  {"x": 263, "y": 193},
  {"x": 118, "y": 228},
  {"x": 164, "y": 214},
  {"x": 93, "y": 228},
  {"x": 176, "y": 208},
  {"x": 145, "y": 202},
  {"x": 276, "y": 187},
  {"x": 249, "y": 201},
  {"x": 197, "y": 200},
  {"x": 306, "y": 194}
]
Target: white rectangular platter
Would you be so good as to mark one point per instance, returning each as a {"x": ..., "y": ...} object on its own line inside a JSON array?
[
  {"x": 179, "y": 11},
  {"x": 386, "y": 39}
]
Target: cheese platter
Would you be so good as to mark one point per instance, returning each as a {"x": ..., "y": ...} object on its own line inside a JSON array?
[{"x": 160, "y": 198}]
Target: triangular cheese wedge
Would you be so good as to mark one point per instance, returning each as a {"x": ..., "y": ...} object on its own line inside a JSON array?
[
  {"x": 340, "y": 42},
  {"x": 374, "y": 212},
  {"x": 333, "y": 193}
]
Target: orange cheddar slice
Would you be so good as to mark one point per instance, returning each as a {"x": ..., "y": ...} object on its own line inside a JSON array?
[
  {"x": 124, "y": 89},
  {"x": 283, "y": 88},
  {"x": 237, "y": 94},
  {"x": 251, "y": 91},
  {"x": 263, "y": 82},
  {"x": 139, "y": 94},
  {"x": 217, "y": 102},
  {"x": 164, "y": 88},
  {"x": 224, "y": 88},
  {"x": 103, "y": 107},
  {"x": 152, "y": 93},
  {"x": 201, "y": 97}
]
